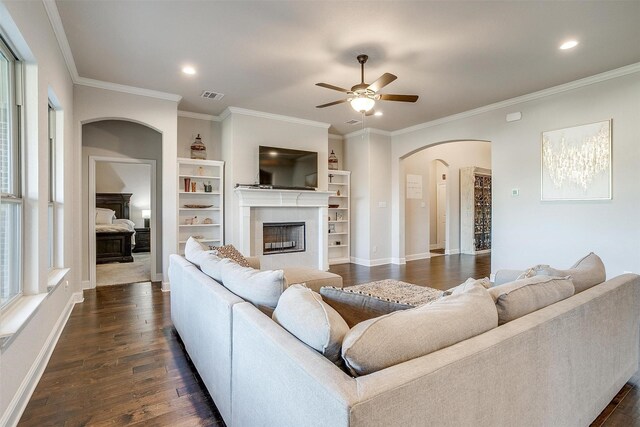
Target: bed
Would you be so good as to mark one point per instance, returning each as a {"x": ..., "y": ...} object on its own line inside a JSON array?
[{"x": 115, "y": 234}]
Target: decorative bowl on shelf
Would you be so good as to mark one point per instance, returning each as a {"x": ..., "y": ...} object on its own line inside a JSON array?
[
  {"x": 333, "y": 206},
  {"x": 197, "y": 206}
]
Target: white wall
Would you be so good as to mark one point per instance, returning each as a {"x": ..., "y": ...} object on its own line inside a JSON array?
[
  {"x": 527, "y": 231},
  {"x": 210, "y": 131},
  {"x": 26, "y": 26},
  {"x": 242, "y": 134},
  {"x": 112, "y": 177},
  {"x": 95, "y": 105},
  {"x": 420, "y": 222}
]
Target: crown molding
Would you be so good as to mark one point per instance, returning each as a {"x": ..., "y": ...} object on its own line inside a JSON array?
[
  {"x": 262, "y": 114},
  {"x": 336, "y": 137},
  {"x": 56, "y": 23},
  {"x": 576, "y": 84},
  {"x": 199, "y": 116},
  {"x": 368, "y": 131},
  {"x": 132, "y": 90}
]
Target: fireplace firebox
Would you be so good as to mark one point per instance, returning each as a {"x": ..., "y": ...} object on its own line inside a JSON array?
[{"x": 283, "y": 237}]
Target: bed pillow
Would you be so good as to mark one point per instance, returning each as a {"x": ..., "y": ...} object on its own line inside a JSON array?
[
  {"x": 302, "y": 312},
  {"x": 385, "y": 341},
  {"x": 262, "y": 288},
  {"x": 104, "y": 216},
  {"x": 519, "y": 298},
  {"x": 230, "y": 252},
  {"x": 126, "y": 222},
  {"x": 195, "y": 252}
]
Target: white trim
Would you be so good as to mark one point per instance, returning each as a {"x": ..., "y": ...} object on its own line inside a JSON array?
[
  {"x": 199, "y": 116},
  {"x": 368, "y": 131},
  {"x": 264, "y": 115},
  {"x": 92, "y": 211},
  {"x": 576, "y": 84},
  {"x": 166, "y": 287},
  {"x": 58, "y": 29},
  {"x": 20, "y": 400},
  {"x": 83, "y": 81},
  {"x": 398, "y": 261},
  {"x": 336, "y": 137},
  {"x": 416, "y": 257},
  {"x": 86, "y": 284},
  {"x": 452, "y": 252},
  {"x": 370, "y": 262}
]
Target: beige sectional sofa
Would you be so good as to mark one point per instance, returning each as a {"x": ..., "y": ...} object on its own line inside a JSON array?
[{"x": 560, "y": 365}]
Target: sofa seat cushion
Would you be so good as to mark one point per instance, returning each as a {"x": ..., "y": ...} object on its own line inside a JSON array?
[
  {"x": 521, "y": 297},
  {"x": 362, "y": 302},
  {"x": 262, "y": 288},
  {"x": 388, "y": 340},
  {"x": 314, "y": 279},
  {"x": 302, "y": 312}
]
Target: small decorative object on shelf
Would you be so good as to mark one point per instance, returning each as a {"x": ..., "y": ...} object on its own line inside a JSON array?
[
  {"x": 207, "y": 221},
  {"x": 333, "y": 161},
  {"x": 187, "y": 185},
  {"x": 200, "y": 171},
  {"x": 338, "y": 193},
  {"x": 193, "y": 187},
  {"x": 195, "y": 220},
  {"x": 330, "y": 177},
  {"x": 337, "y": 242},
  {"x": 198, "y": 150},
  {"x": 339, "y": 216},
  {"x": 332, "y": 228},
  {"x": 208, "y": 188}
]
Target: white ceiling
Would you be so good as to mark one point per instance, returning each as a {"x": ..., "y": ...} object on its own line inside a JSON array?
[{"x": 267, "y": 56}]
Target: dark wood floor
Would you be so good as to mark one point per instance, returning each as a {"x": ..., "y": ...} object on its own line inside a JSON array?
[{"x": 119, "y": 361}]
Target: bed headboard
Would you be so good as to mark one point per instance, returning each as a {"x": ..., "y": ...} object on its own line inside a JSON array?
[{"x": 118, "y": 202}]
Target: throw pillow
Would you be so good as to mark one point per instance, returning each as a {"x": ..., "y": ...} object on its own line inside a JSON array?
[
  {"x": 385, "y": 341},
  {"x": 104, "y": 216},
  {"x": 229, "y": 251},
  {"x": 262, "y": 288},
  {"x": 212, "y": 266},
  {"x": 195, "y": 252},
  {"x": 468, "y": 284},
  {"x": 302, "y": 312},
  {"x": 588, "y": 271},
  {"x": 519, "y": 298}
]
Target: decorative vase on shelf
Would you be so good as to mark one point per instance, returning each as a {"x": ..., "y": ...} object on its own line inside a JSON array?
[
  {"x": 333, "y": 161},
  {"x": 198, "y": 150}
]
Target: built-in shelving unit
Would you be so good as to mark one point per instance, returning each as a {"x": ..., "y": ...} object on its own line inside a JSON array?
[
  {"x": 475, "y": 210},
  {"x": 339, "y": 217},
  {"x": 205, "y": 222}
]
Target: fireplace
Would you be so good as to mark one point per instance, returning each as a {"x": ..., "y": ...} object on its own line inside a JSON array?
[{"x": 283, "y": 237}]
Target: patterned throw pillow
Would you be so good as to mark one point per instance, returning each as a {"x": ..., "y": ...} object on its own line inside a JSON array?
[{"x": 230, "y": 252}]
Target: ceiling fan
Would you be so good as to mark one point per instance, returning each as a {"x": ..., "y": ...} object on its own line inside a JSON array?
[{"x": 363, "y": 96}]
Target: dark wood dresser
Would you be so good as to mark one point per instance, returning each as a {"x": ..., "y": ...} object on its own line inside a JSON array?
[{"x": 143, "y": 240}]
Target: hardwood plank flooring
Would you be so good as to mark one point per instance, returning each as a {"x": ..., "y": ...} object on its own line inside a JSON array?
[{"x": 120, "y": 362}]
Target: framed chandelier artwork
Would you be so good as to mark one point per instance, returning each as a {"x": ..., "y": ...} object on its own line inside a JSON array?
[{"x": 576, "y": 163}]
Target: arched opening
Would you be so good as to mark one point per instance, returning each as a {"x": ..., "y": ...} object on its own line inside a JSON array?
[
  {"x": 433, "y": 195},
  {"x": 120, "y": 164}
]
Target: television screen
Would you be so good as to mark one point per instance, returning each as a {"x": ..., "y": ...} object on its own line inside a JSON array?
[{"x": 282, "y": 167}]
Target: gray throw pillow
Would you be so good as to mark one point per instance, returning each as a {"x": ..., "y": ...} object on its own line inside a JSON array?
[
  {"x": 385, "y": 341},
  {"x": 588, "y": 271},
  {"x": 521, "y": 297},
  {"x": 302, "y": 312}
]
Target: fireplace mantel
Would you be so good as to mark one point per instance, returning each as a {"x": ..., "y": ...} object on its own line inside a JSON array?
[{"x": 249, "y": 199}]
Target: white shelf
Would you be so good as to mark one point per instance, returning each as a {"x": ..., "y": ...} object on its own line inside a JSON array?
[
  {"x": 339, "y": 254},
  {"x": 200, "y": 171}
]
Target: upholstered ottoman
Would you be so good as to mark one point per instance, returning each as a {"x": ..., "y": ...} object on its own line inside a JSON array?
[{"x": 314, "y": 279}]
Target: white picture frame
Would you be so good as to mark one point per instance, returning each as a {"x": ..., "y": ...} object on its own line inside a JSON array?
[{"x": 576, "y": 163}]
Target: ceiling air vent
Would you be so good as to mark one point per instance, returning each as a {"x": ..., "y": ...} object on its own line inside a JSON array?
[
  {"x": 353, "y": 122},
  {"x": 209, "y": 94}
]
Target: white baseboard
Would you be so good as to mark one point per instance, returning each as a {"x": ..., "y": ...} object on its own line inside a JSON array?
[
  {"x": 20, "y": 400},
  {"x": 86, "y": 284},
  {"x": 415, "y": 257},
  {"x": 166, "y": 287},
  {"x": 398, "y": 261},
  {"x": 452, "y": 252},
  {"x": 370, "y": 262}
]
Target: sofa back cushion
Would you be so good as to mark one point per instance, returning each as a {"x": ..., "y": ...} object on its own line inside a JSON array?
[
  {"x": 262, "y": 288},
  {"x": 521, "y": 297},
  {"x": 588, "y": 271},
  {"x": 212, "y": 266},
  {"x": 385, "y": 341},
  {"x": 302, "y": 312}
]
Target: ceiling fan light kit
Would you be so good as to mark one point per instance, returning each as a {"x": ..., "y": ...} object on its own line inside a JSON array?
[{"x": 363, "y": 96}]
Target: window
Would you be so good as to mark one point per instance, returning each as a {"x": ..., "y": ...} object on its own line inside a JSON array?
[
  {"x": 10, "y": 179},
  {"x": 51, "y": 210}
]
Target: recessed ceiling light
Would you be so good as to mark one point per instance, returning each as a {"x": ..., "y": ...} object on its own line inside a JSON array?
[
  {"x": 569, "y": 44},
  {"x": 189, "y": 70},
  {"x": 377, "y": 113}
]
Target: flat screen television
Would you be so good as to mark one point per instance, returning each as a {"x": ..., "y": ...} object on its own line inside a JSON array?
[{"x": 286, "y": 168}]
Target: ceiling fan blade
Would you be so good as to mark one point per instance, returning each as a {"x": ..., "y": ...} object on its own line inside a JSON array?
[
  {"x": 401, "y": 98},
  {"x": 328, "y": 86},
  {"x": 331, "y": 103},
  {"x": 384, "y": 80}
]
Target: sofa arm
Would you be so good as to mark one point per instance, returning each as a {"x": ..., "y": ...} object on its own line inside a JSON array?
[{"x": 254, "y": 262}]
